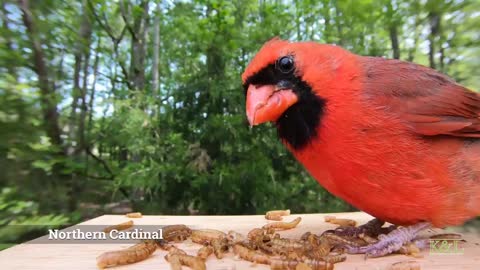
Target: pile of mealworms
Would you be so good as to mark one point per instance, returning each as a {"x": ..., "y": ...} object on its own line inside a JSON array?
[{"x": 260, "y": 246}]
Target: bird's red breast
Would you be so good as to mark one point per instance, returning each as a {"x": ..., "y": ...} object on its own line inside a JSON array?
[{"x": 395, "y": 139}]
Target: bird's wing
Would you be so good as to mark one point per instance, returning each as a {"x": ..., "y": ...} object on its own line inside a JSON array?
[{"x": 430, "y": 102}]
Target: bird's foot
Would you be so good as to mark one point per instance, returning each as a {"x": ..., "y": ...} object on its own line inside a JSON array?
[
  {"x": 372, "y": 228},
  {"x": 390, "y": 242}
]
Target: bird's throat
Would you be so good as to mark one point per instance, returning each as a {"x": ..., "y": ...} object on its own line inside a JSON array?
[{"x": 299, "y": 124}]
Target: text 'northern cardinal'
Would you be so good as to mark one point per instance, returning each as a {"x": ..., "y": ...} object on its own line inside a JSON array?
[{"x": 395, "y": 139}]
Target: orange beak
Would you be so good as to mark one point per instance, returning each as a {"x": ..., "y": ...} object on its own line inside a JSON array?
[{"x": 265, "y": 103}]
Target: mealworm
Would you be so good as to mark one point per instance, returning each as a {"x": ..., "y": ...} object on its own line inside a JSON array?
[
  {"x": 176, "y": 233},
  {"x": 119, "y": 227},
  {"x": 335, "y": 258},
  {"x": 292, "y": 264},
  {"x": 446, "y": 236},
  {"x": 273, "y": 217},
  {"x": 250, "y": 255},
  {"x": 174, "y": 263},
  {"x": 258, "y": 236},
  {"x": 133, "y": 254},
  {"x": 410, "y": 249},
  {"x": 277, "y": 214},
  {"x": 284, "y": 246},
  {"x": 303, "y": 266},
  {"x": 310, "y": 238},
  {"x": 220, "y": 246},
  {"x": 319, "y": 264},
  {"x": 343, "y": 222},
  {"x": 255, "y": 233},
  {"x": 172, "y": 249},
  {"x": 287, "y": 243},
  {"x": 322, "y": 248},
  {"x": 190, "y": 261},
  {"x": 235, "y": 237},
  {"x": 134, "y": 215},
  {"x": 280, "y": 225},
  {"x": 280, "y": 264},
  {"x": 206, "y": 236},
  {"x": 204, "y": 252},
  {"x": 306, "y": 235}
]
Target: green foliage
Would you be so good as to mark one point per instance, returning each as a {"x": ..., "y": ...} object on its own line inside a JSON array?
[
  {"x": 21, "y": 219},
  {"x": 182, "y": 145}
]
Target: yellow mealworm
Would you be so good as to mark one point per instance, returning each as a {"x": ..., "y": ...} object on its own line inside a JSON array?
[
  {"x": 119, "y": 227},
  {"x": 133, "y": 254}
]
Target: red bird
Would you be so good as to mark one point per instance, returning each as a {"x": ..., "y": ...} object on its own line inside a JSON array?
[{"x": 395, "y": 139}]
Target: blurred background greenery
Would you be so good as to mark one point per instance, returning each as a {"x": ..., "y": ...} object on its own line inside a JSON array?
[{"x": 120, "y": 105}]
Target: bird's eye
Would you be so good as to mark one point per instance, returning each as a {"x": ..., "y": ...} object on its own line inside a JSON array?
[{"x": 285, "y": 64}]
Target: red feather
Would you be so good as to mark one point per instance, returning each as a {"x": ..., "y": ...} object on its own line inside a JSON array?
[{"x": 432, "y": 103}]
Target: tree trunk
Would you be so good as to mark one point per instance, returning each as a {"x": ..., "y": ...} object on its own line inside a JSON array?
[
  {"x": 261, "y": 10},
  {"x": 82, "y": 60},
  {"x": 392, "y": 23},
  {"x": 7, "y": 36},
  {"x": 48, "y": 95},
  {"x": 81, "y": 56},
  {"x": 298, "y": 23},
  {"x": 412, "y": 51},
  {"x": 434, "y": 30},
  {"x": 338, "y": 16},
  {"x": 156, "y": 52},
  {"x": 83, "y": 106},
  {"x": 327, "y": 33},
  {"x": 75, "y": 93},
  {"x": 91, "y": 97},
  {"x": 138, "y": 33},
  {"x": 442, "y": 58},
  {"x": 394, "y": 40},
  {"x": 85, "y": 35}
]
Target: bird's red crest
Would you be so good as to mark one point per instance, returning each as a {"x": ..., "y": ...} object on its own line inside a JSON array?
[{"x": 268, "y": 54}]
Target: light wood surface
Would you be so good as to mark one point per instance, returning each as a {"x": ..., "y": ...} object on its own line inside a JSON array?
[{"x": 82, "y": 256}]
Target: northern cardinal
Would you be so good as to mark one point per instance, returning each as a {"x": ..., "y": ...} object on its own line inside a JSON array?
[{"x": 397, "y": 140}]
